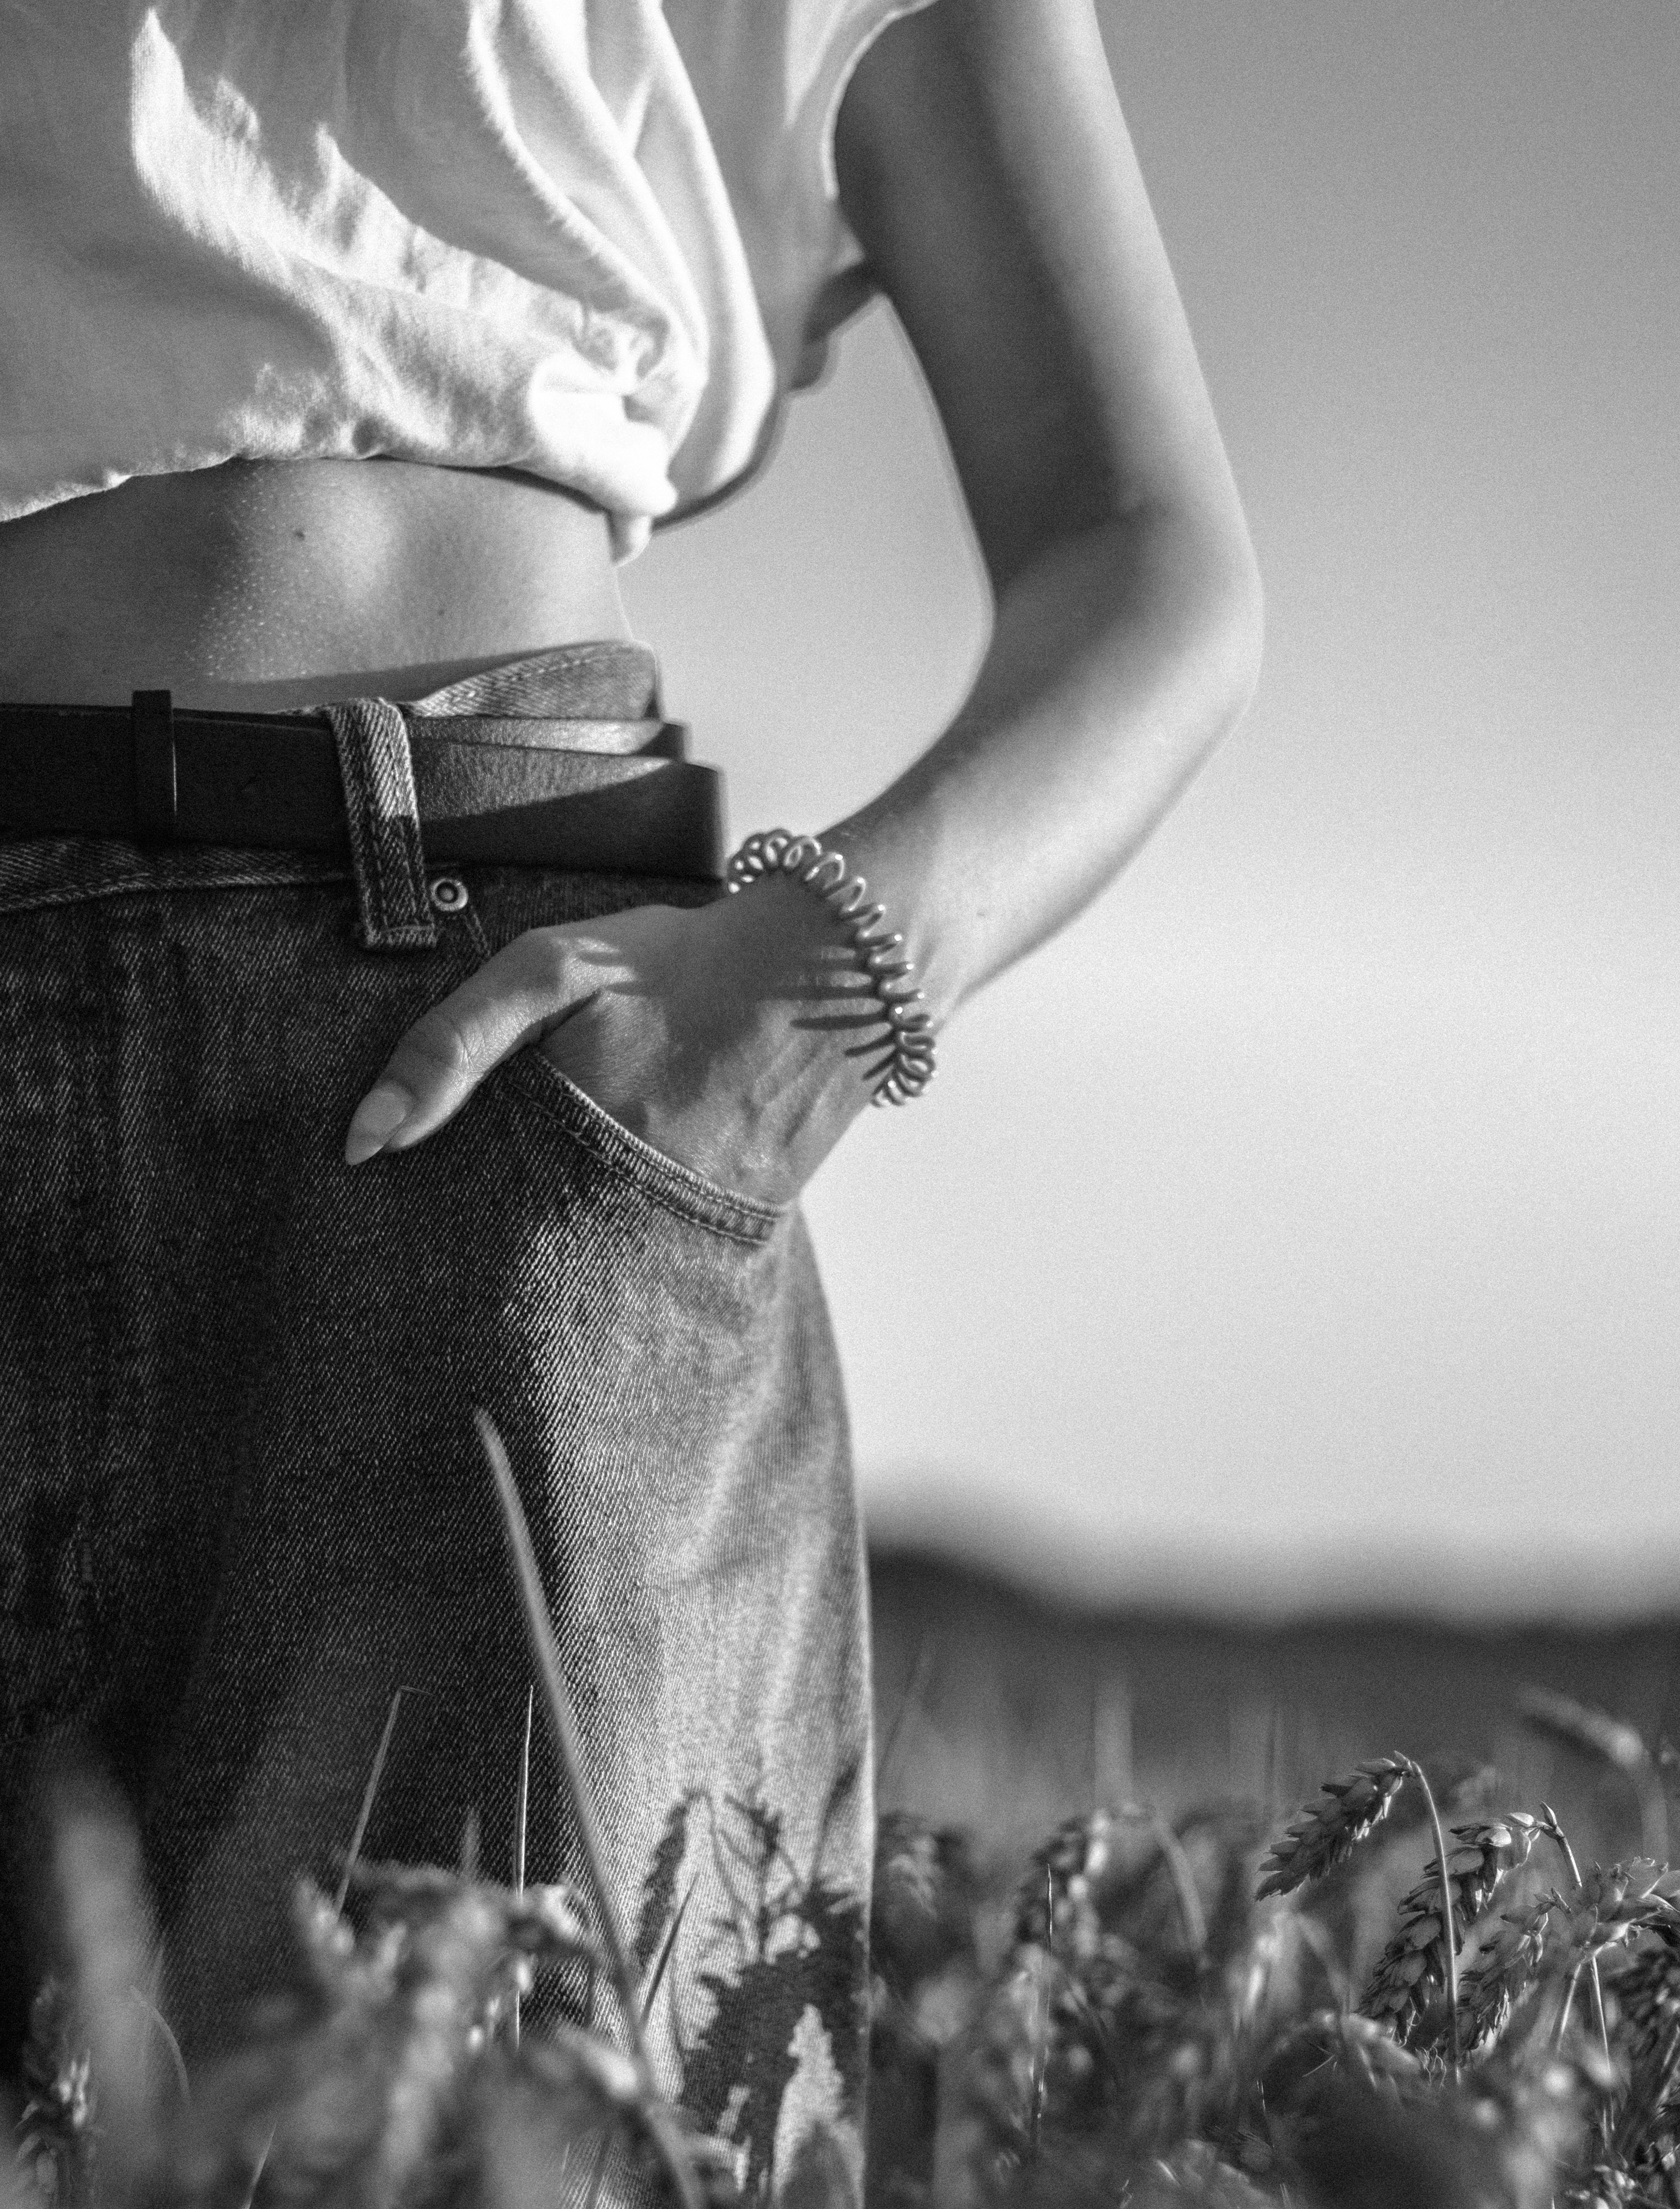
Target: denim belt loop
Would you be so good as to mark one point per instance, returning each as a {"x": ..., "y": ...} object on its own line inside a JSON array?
[{"x": 384, "y": 818}]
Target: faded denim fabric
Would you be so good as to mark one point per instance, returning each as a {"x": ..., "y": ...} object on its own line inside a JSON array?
[{"x": 242, "y": 1503}]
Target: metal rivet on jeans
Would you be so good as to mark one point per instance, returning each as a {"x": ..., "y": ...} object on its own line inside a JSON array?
[{"x": 449, "y": 893}]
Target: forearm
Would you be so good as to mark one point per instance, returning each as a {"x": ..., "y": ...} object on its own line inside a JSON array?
[
  {"x": 736, "y": 1037},
  {"x": 985, "y": 170},
  {"x": 1119, "y": 658}
]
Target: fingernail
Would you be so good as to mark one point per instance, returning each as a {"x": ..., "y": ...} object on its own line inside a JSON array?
[{"x": 377, "y": 1118}]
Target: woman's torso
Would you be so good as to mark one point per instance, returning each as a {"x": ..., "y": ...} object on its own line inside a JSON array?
[
  {"x": 594, "y": 245},
  {"x": 265, "y": 586},
  {"x": 566, "y": 261}
]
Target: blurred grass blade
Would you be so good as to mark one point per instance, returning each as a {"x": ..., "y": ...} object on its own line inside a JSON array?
[
  {"x": 259, "y": 2167},
  {"x": 1184, "y": 1884},
  {"x": 160, "y": 2025},
  {"x": 1593, "y": 1732},
  {"x": 1583, "y": 1727},
  {"x": 522, "y": 1799},
  {"x": 106, "y": 1928},
  {"x": 546, "y": 1656},
  {"x": 598, "y": 2173},
  {"x": 368, "y": 1792},
  {"x": 522, "y": 1824},
  {"x": 909, "y": 1702},
  {"x": 1112, "y": 1756},
  {"x": 666, "y": 1949}
]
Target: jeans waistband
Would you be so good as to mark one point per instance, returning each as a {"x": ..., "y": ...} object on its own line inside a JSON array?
[
  {"x": 604, "y": 680},
  {"x": 559, "y": 760},
  {"x": 605, "y": 686}
]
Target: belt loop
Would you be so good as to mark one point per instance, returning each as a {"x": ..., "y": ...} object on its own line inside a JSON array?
[
  {"x": 152, "y": 726},
  {"x": 384, "y": 817}
]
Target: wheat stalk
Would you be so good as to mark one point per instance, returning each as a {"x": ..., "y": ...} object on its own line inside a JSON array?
[
  {"x": 1412, "y": 1970},
  {"x": 1647, "y": 1996},
  {"x": 1562, "y": 1840},
  {"x": 1450, "y": 1947},
  {"x": 1503, "y": 1967},
  {"x": 1610, "y": 1907}
]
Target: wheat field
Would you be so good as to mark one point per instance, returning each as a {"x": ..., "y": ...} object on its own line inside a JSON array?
[
  {"x": 1002, "y": 1713},
  {"x": 1353, "y": 1915}
]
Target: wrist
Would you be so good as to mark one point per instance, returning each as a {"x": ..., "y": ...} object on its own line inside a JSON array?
[
  {"x": 880, "y": 1000},
  {"x": 787, "y": 967},
  {"x": 903, "y": 858}
]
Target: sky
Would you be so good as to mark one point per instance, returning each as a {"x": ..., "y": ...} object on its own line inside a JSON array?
[{"x": 1301, "y": 1227}]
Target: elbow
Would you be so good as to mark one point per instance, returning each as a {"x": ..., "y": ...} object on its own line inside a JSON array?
[
  {"x": 1165, "y": 599},
  {"x": 1209, "y": 569},
  {"x": 1239, "y": 622}
]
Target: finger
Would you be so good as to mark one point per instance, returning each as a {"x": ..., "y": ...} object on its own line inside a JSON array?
[{"x": 524, "y": 989}]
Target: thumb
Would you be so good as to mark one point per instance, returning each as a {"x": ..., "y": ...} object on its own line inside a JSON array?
[{"x": 516, "y": 996}]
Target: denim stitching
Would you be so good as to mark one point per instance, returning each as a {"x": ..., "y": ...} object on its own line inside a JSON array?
[
  {"x": 638, "y": 1167},
  {"x": 120, "y": 878}
]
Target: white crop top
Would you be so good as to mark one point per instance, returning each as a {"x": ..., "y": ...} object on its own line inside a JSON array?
[{"x": 595, "y": 239}]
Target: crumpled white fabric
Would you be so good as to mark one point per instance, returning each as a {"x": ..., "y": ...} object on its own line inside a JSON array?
[{"x": 587, "y": 238}]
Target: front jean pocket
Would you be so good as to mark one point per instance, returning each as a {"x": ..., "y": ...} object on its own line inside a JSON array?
[
  {"x": 501, "y": 904},
  {"x": 664, "y": 1181}
]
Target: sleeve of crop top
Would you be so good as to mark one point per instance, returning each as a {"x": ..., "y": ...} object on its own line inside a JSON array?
[
  {"x": 826, "y": 40},
  {"x": 769, "y": 76}
]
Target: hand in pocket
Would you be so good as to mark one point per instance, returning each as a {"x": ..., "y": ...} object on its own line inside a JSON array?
[{"x": 732, "y": 1037}]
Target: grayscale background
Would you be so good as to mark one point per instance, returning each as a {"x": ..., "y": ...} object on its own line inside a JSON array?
[{"x": 1303, "y": 1226}]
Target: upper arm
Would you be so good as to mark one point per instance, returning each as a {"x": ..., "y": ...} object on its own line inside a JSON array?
[{"x": 987, "y": 172}]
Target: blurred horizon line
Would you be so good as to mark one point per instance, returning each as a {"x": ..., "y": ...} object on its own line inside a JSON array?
[{"x": 929, "y": 1516}]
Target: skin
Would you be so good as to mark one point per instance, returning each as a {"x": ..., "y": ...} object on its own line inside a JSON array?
[
  {"x": 985, "y": 169},
  {"x": 266, "y": 586}
]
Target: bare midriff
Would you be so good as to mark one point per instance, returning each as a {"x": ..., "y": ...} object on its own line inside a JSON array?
[{"x": 265, "y": 586}]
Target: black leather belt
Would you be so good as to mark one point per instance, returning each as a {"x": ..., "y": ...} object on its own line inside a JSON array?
[{"x": 601, "y": 796}]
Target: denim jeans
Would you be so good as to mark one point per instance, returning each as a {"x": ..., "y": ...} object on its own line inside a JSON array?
[{"x": 242, "y": 1503}]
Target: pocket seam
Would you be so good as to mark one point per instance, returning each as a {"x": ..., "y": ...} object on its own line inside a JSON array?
[{"x": 635, "y": 1164}]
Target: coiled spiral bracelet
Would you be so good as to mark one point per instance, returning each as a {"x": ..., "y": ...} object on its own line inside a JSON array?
[{"x": 906, "y": 1069}]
